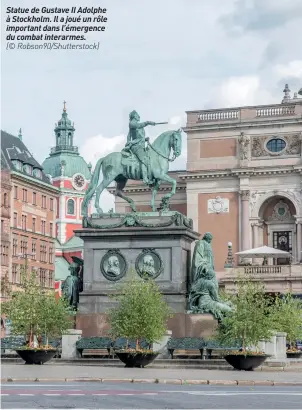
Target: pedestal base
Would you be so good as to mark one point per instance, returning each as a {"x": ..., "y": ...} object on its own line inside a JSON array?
[
  {"x": 118, "y": 246},
  {"x": 181, "y": 325}
]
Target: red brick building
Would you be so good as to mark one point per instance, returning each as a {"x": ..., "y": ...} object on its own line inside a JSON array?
[
  {"x": 32, "y": 209},
  {"x": 5, "y": 226}
]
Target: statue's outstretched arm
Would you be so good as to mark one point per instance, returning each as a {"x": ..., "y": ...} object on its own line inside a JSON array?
[{"x": 137, "y": 125}]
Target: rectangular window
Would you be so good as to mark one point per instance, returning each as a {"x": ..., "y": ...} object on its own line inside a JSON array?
[
  {"x": 24, "y": 247},
  {"x": 15, "y": 273},
  {"x": 51, "y": 229},
  {"x": 43, "y": 277},
  {"x": 34, "y": 225},
  {"x": 43, "y": 201},
  {"x": 24, "y": 222},
  {"x": 50, "y": 255},
  {"x": 15, "y": 192},
  {"x": 15, "y": 220},
  {"x": 51, "y": 204},
  {"x": 50, "y": 278},
  {"x": 43, "y": 224},
  {"x": 4, "y": 255},
  {"x": 34, "y": 198},
  {"x": 43, "y": 252},
  {"x": 24, "y": 195},
  {"x": 33, "y": 249},
  {"x": 15, "y": 246}
]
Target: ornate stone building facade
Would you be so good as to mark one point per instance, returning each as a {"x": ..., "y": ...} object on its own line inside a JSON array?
[{"x": 244, "y": 176}]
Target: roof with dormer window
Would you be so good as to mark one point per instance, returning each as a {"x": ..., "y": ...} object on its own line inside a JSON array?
[{"x": 14, "y": 151}]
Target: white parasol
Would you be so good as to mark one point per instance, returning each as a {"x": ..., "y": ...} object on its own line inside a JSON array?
[{"x": 264, "y": 251}]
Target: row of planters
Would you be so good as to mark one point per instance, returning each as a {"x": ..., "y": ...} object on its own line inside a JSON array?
[{"x": 141, "y": 315}]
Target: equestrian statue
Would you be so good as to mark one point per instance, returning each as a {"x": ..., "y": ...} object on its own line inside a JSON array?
[{"x": 139, "y": 160}]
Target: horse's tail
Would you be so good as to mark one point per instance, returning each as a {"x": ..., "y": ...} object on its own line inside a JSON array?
[{"x": 93, "y": 183}]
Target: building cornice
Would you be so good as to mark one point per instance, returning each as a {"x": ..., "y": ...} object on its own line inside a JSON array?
[
  {"x": 25, "y": 178},
  {"x": 239, "y": 172},
  {"x": 204, "y": 127}
]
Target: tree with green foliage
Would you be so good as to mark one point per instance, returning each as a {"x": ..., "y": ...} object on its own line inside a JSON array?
[
  {"x": 288, "y": 318},
  {"x": 251, "y": 320},
  {"x": 141, "y": 312},
  {"x": 34, "y": 311}
]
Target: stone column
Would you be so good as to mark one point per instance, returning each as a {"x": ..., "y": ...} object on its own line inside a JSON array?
[
  {"x": 255, "y": 227},
  {"x": 245, "y": 223},
  {"x": 69, "y": 340},
  {"x": 299, "y": 241},
  {"x": 161, "y": 346},
  {"x": 280, "y": 345}
]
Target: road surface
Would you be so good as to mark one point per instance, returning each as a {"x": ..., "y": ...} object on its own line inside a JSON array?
[{"x": 93, "y": 395}]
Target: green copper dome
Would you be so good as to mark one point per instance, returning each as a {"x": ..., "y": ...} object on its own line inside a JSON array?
[{"x": 64, "y": 159}]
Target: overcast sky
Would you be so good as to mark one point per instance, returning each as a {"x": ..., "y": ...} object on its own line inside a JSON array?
[{"x": 160, "y": 57}]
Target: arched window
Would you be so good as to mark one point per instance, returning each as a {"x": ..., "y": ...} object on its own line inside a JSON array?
[{"x": 70, "y": 207}]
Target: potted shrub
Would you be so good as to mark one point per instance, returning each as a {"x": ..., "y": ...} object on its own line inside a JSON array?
[
  {"x": 250, "y": 321},
  {"x": 288, "y": 319},
  {"x": 140, "y": 316},
  {"x": 36, "y": 314}
]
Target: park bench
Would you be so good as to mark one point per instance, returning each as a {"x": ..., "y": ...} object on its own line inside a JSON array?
[
  {"x": 205, "y": 347},
  {"x": 94, "y": 345},
  {"x": 13, "y": 342},
  {"x": 211, "y": 345},
  {"x": 185, "y": 343}
]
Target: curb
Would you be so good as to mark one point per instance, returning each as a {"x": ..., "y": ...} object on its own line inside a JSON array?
[{"x": 158, "y": 381}]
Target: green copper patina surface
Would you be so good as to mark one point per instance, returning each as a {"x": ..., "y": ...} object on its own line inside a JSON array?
[
  {"x": 73, "y": 284},
  {"x": 139, "y": 220},
  {"x": 204, "y": 297},
  {"x": 138, "y": 162}
]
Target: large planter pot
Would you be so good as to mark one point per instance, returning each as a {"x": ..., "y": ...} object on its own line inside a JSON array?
[
  {"x": 294, "y": 355},
  {"x": 248, "y": 362},
  {"x": 136, "y": 359},
  {"x": 36, "y": 356}
]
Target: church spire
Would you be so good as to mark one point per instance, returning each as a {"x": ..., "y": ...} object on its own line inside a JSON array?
[{"x": 64, "y": 131}]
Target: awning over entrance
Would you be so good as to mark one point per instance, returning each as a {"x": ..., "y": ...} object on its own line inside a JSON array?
[{"x": 264, "y": 251}]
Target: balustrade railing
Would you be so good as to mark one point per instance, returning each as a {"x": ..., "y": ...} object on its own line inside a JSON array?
[
  {"x": 262, "y": 269},
  {"x": 219, "y": 115},
  {"x": 275, "y": 111}
]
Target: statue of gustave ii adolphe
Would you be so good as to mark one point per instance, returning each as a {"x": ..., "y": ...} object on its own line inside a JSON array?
[{"x": 204, "y": 297}]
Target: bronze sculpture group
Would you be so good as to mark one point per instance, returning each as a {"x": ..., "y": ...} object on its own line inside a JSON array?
[
  {"x": 141, "y": 160},
  {"x": 137, "y": 161}
]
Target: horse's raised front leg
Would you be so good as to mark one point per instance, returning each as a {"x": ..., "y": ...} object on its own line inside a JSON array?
[
  {"x": 120, "y": 185},
  {"x": 166, "y": 198},
  {"x": 154, "y": 192}
]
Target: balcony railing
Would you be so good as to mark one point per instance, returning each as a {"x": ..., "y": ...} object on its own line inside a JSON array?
[
  {"x": 276, "y": 111},
  {"x": 219, "y": 115},
  {"x": 250, "y": 270}
]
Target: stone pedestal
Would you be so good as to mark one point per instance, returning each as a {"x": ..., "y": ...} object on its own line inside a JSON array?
[
  {"x": 69, "y": 340},
  {"x": 280, "y": 345},
  {"x": 161, "y": 346},
  {"x": 115, "y": 245}
]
